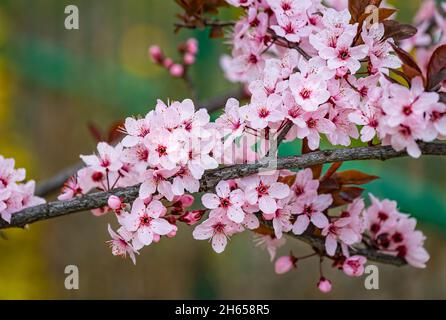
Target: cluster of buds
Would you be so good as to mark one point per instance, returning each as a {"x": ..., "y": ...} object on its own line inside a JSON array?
[{"x": 188, "y": 50}]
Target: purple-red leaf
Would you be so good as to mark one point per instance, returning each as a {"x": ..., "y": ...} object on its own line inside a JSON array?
[{"x": 436, "y": 70}]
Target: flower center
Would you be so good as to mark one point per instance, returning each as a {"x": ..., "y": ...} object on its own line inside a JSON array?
[
  {"x": 383, "y": 216},
  {"x": 262, "y": 189},
  {"x": 289, "y": 29},
  {"x": 252, "y": 58},
  {"x": 162, "y": 150},
  {"x": 224, "y": 203},
  {"x": 311, "y": 123},
  {"x": 219, "y": 227},
  {"x": 286, "y": 6},
  {"x": 344, "y": 54},
  {"x": 407, "y": 110},
  {"x": 305, "y": 93},
  {"x": 263, "y": 112},
  {"x": 308, "y": 209},
  {"x": 405, "y": 131},
  {"x": 397, "y": 237}
]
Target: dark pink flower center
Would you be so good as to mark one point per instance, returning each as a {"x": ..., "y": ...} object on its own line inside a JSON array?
[
  {"x": 262, "y": 189},
  {"x": 253, "y": 59},
  {"x": 219, "y": 227},
  {"x": 383, "y": 216},
  {"x": 224, "y": 202},
  {"x": 397, "y": 237},
  {"x": 311, "y": 123},
  {"x": 263, "y": 112},
  {"x": 407, "y": 110},
  {"x": 162, "y": 150},
  {"x": 405, "y": 131},
  {"x": 289, "y": 28},
  {"x": 373, "y": 123},
  {"x": 344, "y": 54},
  {"x": 286, "y": 6},
  {"x": 308, "y": 209},
  {"x": 145, "y": 220},
  {"x": 305, "y": 93}
]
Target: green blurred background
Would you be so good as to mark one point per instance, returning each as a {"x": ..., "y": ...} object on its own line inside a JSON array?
[{"x": 54, "y": 81}]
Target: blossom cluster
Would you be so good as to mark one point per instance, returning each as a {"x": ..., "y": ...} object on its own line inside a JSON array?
[
  {"x": 15, "y": 194},
  {"x": 306, "y": 73},
  {"x": 338, "y": 85}
]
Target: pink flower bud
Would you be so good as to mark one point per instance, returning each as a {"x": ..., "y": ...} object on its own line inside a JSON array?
[
  {"x": 285, "y": 264},
  {"x": 168, "y": 62},
  {"x": 354, "y": 266},
  {"x": 192, "y": 217},
  {"x": 324, "y": 285},
  {"x": 189, "y": 59},
  {"x": 156, "y": 54},
  {"x": 186, "y": 200},
  {"x": 100, "y": 211},
  {"x": 114, "y": 202},
  {"x": 156, "y": 238},
  {"x": 192, "y": 46},
  {"x": 176, "y": 70},
  {"x": 172, "y": 233}
]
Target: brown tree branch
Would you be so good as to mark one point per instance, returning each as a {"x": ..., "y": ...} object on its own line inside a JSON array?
[{"x": 212, "y": 177}]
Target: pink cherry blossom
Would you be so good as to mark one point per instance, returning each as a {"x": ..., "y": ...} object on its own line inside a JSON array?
[
  {"x": 264, "y": 109},
  {"x": 157, "y": 180},
  {"x": 285, "y": 264},
  {"x": 226, "y": 202},
  {"x": 281, "y": 218},
  {"x": 291, "y": 28},
  {"x": 342, "y": 54},
  {"x": 379, "y": 51},
  {"x": 311, "y": 210},
  {"x": 354, "y": 266},
  {"x": 304, "y": 186},
  {"x": 15, "y": 194},
  {"x": 347, "y": 229},
  {"x": 9, "y": 175},
  {"x": 144, "y": 220},
  {"x": 108, "y": 158},
  {"x": 264, "y": 190},
  {"x": 308, "y": 92},
  {"x": 218, "y": 228},
  {"x": 120, "y": 247},
  {"x": 317, "y": 123},
  {"x": 232, "y": 120}
]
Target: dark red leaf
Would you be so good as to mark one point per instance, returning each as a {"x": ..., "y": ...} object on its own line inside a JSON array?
[
  {"x": 353, "y": 177},
  {"x": 436, "y": 70},
  {"x": 95, "y": 131},
  {"x": 331, "y": 170},
  {"x": 398, "y": 31}
]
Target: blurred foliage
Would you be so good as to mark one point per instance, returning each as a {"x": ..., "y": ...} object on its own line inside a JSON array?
[{"x": 54, "y": 81}]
